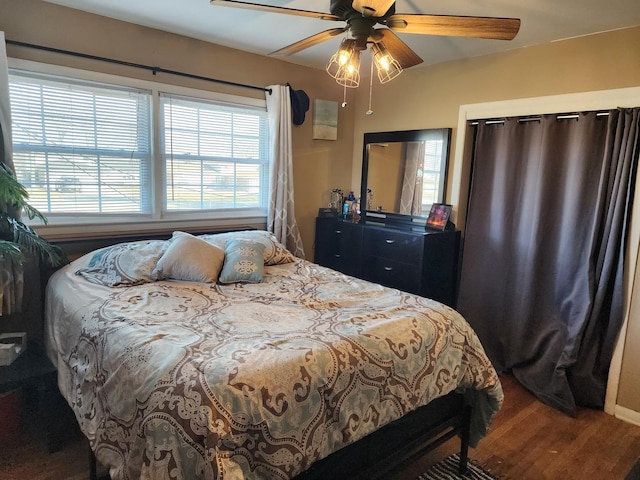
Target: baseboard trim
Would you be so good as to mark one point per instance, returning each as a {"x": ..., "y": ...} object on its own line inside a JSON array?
[{"x": 628, "y": 415}]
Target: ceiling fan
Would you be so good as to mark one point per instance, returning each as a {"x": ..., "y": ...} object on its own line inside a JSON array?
[{"x": 362, "y": 16}]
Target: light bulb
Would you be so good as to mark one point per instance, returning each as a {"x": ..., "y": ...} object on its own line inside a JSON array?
[{"x": 388, "y": 67}]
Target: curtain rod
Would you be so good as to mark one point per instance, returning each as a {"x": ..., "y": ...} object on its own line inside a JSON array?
[
  {"x": 154, "y": 70},
  {"x": 561, "y": 116}
]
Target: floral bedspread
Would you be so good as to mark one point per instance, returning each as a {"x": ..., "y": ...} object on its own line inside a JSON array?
[{"x": 182, "y": 380}]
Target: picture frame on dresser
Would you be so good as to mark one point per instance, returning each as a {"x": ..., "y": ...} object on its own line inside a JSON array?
[{"x": 438, "y": 216}]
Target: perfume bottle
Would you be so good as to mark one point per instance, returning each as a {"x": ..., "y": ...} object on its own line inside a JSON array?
[
  {"x": 350, "y": 204},
  {"x": 351, "y": 198},
  {"x": 336, "y": 199}
]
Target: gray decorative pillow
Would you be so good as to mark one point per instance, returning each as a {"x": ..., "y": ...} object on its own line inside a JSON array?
[
  {"x": 243, "y": 262},
  {"x": 191, "y": 259},
  {"x": 274, "y": 252},
  {"x": 125, "y": 264}
]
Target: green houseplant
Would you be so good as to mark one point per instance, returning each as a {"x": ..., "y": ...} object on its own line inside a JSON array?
[{"x": 18, "y": 241}]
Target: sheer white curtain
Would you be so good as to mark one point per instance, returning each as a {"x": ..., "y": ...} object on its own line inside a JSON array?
[
  {"x": 411, "y": 197},
  {"x": 6, "y": 148},
  {"x": 11, "y": 274},
  {"x": 281, "y": 219}
]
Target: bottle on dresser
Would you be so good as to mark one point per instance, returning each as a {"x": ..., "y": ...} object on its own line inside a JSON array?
[{"x": 349, "y": 205}]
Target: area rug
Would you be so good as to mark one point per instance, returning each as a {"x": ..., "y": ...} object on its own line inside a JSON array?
[{"x": 447, "y": 469}]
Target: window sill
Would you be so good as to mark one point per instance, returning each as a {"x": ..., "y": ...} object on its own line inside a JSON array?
[{"x": 75, "y": 228}]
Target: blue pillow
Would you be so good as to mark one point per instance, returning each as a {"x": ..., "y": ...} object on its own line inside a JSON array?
[{"x": 243, "y": 262}]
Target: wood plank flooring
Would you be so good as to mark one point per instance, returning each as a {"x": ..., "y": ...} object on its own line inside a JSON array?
[
  {"x": 527, "y": 441},
  {"x": 531, "y": 441}
]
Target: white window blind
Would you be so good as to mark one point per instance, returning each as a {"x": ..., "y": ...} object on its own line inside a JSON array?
[
  {"x": 431, "y": 181},
  {"x": 81, "y": 147},
  {"x": 215, "y": 154}
]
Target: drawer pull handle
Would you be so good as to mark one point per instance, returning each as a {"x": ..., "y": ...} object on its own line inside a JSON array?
[
  {"x": 389, "y": 241},
  {"x": 388, "y": 269},
  {"x": 338, "y": 232}
]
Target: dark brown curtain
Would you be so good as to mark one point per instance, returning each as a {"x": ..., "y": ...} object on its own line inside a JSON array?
[{"x": 541, "y": 278}]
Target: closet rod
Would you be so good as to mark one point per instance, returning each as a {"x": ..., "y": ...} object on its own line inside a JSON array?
[
  {"x": 154, "y": 70},
  {"x": 562, "y": 116}
]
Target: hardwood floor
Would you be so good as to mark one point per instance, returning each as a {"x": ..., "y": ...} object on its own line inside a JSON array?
[
  {"x": 527, "y": 441},
  {"x": 531, "y": 441}
]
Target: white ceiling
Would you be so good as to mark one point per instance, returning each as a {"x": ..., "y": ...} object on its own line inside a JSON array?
[{"x": 259, "y": 32}]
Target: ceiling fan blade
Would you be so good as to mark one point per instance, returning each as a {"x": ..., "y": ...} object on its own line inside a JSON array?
[
  {"x": 400, "y": 50},
  {"x": 309, "y": 41},
  {"x": 456, "y": 26},
  {"x": 372, "y": 8},
  {"x": 272, "y": 9}
]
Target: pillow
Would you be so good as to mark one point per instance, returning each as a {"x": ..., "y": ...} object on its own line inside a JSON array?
[
  {"x": 243, "y": 262},
  {"x": 125, "y": 264},
  {"x": 274, "y": 252},
  {"x": 191, "y": 259}
]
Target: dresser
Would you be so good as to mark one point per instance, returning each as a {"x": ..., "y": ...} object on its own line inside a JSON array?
[{"x": 400, "y": 256}]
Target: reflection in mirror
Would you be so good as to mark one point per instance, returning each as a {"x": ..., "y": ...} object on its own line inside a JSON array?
[{"x": 405, "y": 172}]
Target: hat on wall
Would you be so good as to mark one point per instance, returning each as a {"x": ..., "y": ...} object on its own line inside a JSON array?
[{"x": 299, "y": 104}]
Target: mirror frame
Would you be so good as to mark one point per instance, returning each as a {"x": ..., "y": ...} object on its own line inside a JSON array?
[{"x": 400, "y": 136}]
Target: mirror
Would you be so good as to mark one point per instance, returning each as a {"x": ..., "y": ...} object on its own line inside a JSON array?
[{"x": 404, "y": 172}]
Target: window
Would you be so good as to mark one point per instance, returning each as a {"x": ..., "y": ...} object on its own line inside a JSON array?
[
  {"x": 215, "y": 155},
  {"x": 83, "y": 148},
  {"x": 431, "y": 173}
]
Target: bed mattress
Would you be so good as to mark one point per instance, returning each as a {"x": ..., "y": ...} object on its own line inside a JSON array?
[{"x": 177, "y": 379}]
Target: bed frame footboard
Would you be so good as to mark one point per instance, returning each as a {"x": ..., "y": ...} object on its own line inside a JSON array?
[{"x": 394, "y": 446}]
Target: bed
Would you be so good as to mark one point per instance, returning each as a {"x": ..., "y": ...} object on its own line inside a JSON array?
[{"x": 222, "y": 356}]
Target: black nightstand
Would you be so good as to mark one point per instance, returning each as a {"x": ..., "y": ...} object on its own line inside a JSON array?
[{"x": 35, "y": 374}]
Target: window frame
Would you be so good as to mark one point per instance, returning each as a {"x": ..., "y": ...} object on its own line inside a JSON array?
[{"x": 87, "y": 224}]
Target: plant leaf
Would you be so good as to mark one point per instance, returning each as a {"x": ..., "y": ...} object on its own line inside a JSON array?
[
  {"x": 16, "y": 237},
  {"x": 34, "y": 213},
  {"x": 29, "y": 240},
  {"x": 11, "y": 251},
  {"x": 12, "y": 192}
]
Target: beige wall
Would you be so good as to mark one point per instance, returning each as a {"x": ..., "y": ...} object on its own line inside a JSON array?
[
  {"x": 430, "y": 97},
  {"x": 385, "y": 180},
  {"x": 422, "y": 97},
  {"x": 319, "y": 165}
]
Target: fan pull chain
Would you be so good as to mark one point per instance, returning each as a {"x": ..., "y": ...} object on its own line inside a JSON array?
[
  {"x": 344, "y": 97},
  {"x": 370, "y": 112}
]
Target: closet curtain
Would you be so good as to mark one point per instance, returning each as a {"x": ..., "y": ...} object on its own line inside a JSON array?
[
  {"x": 541, "y": 279},
  {"x": 281, "y": 218}
]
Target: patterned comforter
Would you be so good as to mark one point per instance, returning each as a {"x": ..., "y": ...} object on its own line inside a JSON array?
[{"x": 183, "y": 380}]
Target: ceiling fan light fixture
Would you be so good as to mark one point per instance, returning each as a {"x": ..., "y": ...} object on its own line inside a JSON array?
[
  {"x": 387, "y": 67},
  {"x": 342, "y": 57},
  {"x": 349, "y": 73}
]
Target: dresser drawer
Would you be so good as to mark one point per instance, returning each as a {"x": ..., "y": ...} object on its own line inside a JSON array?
[
  {"x": 398, "y": 246},
  {"x": 392, "y": 274},
  {"x": 339, "y": 246}
]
